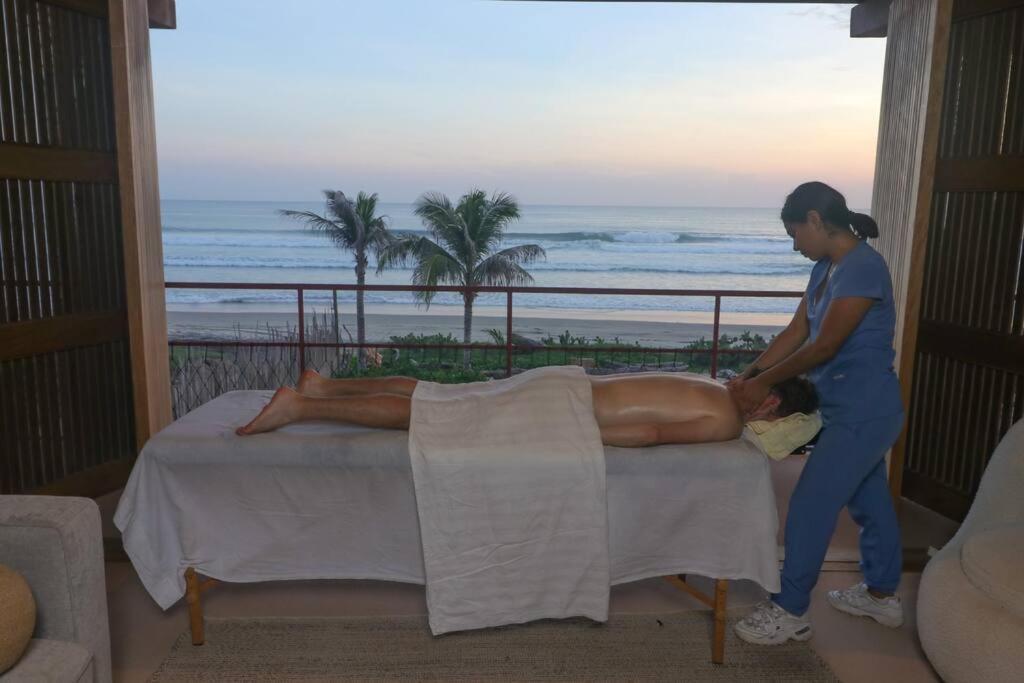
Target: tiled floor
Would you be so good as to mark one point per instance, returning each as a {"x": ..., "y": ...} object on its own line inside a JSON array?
[{"x": 856, "y": 649}]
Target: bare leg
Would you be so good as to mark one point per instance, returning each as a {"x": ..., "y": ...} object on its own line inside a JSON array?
[
  {"x": 312, "y": 383},
  {"x": 387, "y": 411}
]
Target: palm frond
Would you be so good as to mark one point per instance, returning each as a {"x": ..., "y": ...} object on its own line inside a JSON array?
[
  {"x": 435, "y": 266},
  {"x": 471, "y": 208},
  {"x": 347, "y": 214},
  {"x": 505, "y": 267},
  {"x": 366, "y": 205},
  {"x": 336, "y": 232},
  {"x": 440, "y": 218},
  {"x": 445, "y": 223},
  {"x": 435, "y": 209},
  {"x": 500, "y": 210},
  {"x": 378, "y": 235},
  {"x": 397, "y": 251},
  {"x": 376, "y": 228},
  {"x": 523, "y": 253}
]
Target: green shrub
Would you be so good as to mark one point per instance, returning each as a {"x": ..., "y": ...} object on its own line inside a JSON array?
[{"x": 444, "y": 365}]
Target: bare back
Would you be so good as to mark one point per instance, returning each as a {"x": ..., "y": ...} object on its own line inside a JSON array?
[{"x": 665, "y": 398}]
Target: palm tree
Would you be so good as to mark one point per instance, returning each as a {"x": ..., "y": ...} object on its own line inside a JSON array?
[
  {"x": 461, "y": 248},
  {"x": 354, "y": 227}
]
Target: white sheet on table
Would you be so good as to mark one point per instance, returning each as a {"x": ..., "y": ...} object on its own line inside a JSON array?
[
  {"x": 332, "y": 501},
  {"x": 510, "y": 488}
]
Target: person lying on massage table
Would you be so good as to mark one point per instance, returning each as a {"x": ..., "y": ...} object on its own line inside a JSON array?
[{"x": 631, "y": 410}]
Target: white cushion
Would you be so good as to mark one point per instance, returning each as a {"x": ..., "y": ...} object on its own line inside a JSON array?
[
  {"x": 993, "y": 561},
  {"x": 53, "y": 661}
]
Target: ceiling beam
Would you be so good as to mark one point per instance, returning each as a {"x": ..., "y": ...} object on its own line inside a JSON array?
[
  {"x": 718, "y": 2},
  {"x": 870, "y": 19},
  {"x": 162, "y": 14},
  {"x": 969, "y": 9}
]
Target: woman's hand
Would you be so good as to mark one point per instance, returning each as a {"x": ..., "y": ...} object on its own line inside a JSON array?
[
  {"x": 749, "y": 393},
  {"x": 752, "y": 371}
]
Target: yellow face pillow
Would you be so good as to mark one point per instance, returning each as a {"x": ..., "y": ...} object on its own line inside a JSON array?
[{"x": 779, "y": 438}]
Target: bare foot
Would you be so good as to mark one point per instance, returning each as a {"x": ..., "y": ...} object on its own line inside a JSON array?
[
  {"x": 310, "y": 383},
  {"x": 279, "y": 412}
]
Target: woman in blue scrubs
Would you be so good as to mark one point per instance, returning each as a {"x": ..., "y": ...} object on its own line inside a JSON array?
[{"x": 842, "y": 338}]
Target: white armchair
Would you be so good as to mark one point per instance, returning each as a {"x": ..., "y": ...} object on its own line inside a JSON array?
[
  {"x": 56, "y": 543},
  {"x": 970, "y": 608}
]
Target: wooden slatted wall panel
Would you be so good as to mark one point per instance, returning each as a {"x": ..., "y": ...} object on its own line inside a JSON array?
[
  {"x": 973, "y": 272},
  {"x": 970, "y": 386},
  {"x": 984, "y": 99},
  {"x": 65, "y": 385},
  {"x": 63, "y": 414},
  {"x": 56, "y": 77},
  {"x": 60, "y": 249},
  {"x": 907, "y": 140},
  {"x": 897, "y": 163}
]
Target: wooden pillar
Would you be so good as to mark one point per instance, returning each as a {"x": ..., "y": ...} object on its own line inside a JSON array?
[
  {"x": 140, "y": 214},
  {"x": 915, "y": 66}
]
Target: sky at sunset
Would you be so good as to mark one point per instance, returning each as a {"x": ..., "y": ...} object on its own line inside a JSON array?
[{"x": 655, "y": 104}]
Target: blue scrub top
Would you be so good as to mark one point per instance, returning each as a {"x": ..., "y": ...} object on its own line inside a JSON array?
[{"x": 858, "y": 383}]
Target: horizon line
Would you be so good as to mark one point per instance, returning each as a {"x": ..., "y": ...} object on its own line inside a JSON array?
[{"x": 540, "y": 204}]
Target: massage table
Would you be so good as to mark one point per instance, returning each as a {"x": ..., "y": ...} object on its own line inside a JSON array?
[{"x": 321, "y": 500}]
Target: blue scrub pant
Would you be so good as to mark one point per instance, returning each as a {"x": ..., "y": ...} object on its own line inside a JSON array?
[{"x": 845, "y": 468}]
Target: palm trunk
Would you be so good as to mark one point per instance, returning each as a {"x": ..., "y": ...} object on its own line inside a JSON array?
[
  {"x": 467, "y": 330},
  {"x": 360, "y": 313}
]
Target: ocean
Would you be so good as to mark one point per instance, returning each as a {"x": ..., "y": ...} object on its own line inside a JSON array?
[{"x": 587, "y": 246}]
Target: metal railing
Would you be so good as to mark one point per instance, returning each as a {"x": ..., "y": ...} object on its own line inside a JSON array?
[{"x": 509, "y": 346}]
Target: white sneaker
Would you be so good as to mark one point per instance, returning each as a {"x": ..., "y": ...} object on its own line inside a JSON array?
[
  {"x": 856, "y": 600},
  {"x": 769, "y": 624}
]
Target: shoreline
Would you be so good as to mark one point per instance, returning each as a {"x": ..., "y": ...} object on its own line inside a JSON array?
[{"x": 649, "y": 328}]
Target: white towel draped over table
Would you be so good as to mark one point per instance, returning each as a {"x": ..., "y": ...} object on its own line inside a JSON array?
[
  {"x": 322, "y": 500},
  {"x": 510, "y": 487}
]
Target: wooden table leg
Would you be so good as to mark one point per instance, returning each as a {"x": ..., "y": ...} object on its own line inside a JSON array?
[
  {"x": 718, "y": 647},
  {"x": 195, "y": 606}
]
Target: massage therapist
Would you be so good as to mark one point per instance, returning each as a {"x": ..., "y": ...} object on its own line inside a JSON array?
[{"x": 842, "y": 337}]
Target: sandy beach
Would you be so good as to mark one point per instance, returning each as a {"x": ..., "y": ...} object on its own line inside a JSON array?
[{"x": 649, "y": 328}]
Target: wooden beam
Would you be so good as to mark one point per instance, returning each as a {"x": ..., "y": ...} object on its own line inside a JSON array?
[
  {"x": 987, "y": 174},
  {"x": 870, "y": 19},
  {"x": 45, "y": 335},
  {"x": 934, "y": 496},
  {"x": 140, "y": 215},
  {"x": 680, "y": 582},
  {"x": 969, "y": 345},
  {"x": 93, "y": 482},
  {"x": 96, "y": 8},
  {"x": 971, "y": 9},
  {"x": 162, "y": 14},
  {"x": 36, "y": 162},
  {"x": 720, "y": 2}
]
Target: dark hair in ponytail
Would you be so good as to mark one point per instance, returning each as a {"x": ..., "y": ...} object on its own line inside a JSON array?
[{"x": 831, "y": 206}]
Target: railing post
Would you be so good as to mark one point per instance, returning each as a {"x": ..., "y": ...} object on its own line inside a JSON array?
[
  {"x": 508, "y": 335},
  {"x": 302, "y": 332},
  {"x": 714, "y": 340}
]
